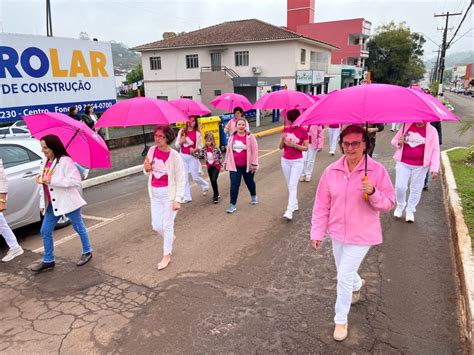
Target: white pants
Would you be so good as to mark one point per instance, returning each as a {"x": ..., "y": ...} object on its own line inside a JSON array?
[
  {"x": 333, "y": 136},
  {"x": 7, "y": 233},
  {"x": 292, "y": 169},
  {"x": 162, "y": 217},
  {"x": 191, "y": 165},
  {"x": 348, "y": 258},
  {"x": 395, "y": 126},
  {"x": 416, "y": 175},
  {"x": 308, "y": 161}
]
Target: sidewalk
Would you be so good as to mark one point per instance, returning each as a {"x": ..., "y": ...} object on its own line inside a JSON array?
[{"x": 123, "y": 158}]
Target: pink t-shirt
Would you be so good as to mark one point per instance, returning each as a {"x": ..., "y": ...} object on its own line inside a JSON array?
[
  {"x": 210, "y": 159},
  {"x": 295, "y": 135},
  {"x": 159, "y": 176},
  {"x": 45, "y": 172},
  {"x": 414, "y": 145},
  {"x": 309, "y": 135},
  {"x": 239, "y": 149},
  {"x": 190, "y": 143}
]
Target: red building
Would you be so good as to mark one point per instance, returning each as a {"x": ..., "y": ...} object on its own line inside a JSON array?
[{"x": 349, "y": 35}]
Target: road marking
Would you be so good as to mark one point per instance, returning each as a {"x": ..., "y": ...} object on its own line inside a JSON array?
[
  {"x": 74, "y": 235},
  {"x": 102, "y": 219}
]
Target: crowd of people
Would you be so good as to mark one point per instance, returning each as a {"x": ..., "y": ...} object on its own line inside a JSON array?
[{"x": 351, "y": 220}]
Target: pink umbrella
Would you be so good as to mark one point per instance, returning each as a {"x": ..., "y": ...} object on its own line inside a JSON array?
[
  {"x": 229, "y": 101},
  {"x": 190, "y": 107},
  {"x": 375, "y": 103},
  {"x": 140, "y": 111},
  {"x": 84, "y": 145},
  {"x": 284, "y": 99},
  {"x": 316, "y": 97}
]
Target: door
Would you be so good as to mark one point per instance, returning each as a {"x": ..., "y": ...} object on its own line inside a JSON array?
[
  {"x": 21, "y": 167},
  {"x": 216, "y": 61}
]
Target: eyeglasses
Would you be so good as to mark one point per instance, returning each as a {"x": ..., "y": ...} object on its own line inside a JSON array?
[
  {"x": 159, "y": 136},
  {"x": 353, "y": 145}
]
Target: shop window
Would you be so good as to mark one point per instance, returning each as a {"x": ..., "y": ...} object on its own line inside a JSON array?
[
  {"x": 162, "y": 98},
  {"x": 186, "y": 97},
  {"x": 217, "y": 92}
]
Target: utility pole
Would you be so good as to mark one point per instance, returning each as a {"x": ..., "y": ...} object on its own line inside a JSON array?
[
  {"x": 49, "y": 24},
  {"x": 434, "y": 73},
  {"x": 443, "y": 48}
]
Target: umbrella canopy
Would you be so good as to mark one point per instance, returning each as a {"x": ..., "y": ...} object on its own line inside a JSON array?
[
  {"x": 83, "y": 145},
  {"x": 284, "y": 99},
  {"x": 140, "y": 111},
  {"x": 190, "y": 107},
  {"x": 375, "y": 103},
  {"x": 229, "y": 101}
]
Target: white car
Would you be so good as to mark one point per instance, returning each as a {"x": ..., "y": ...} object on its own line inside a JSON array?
[
  {"x": 22, "y": 161},
  {"x": 13, "y": 131}
]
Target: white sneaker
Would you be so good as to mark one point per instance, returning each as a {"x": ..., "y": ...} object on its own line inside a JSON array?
[
  {"x": 307, "y": 178},
  {"x": 85, "y": 174},
  {"x": 288, "y": 215},
  {"x": 12, "y": 254},
  {"x": 204, "y": 192},
  {"x": 398, "y": 212},
  {"x": 331, "y": 153},
  {"x": 302, "y": 178},
  {"x": 409, "y": 217}
]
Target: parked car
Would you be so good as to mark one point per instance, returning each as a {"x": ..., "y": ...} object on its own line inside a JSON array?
[
  {"x": 9, "y": 132},
  {"x": 22, "y": 161},
  {"x": 468, "y": 92},
  {"x": 19, "y": 123}
]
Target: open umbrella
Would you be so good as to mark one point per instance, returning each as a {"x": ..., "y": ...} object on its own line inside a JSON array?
[
  {"x": 229, "y": 101},
  {"x": 140, "y": 111},
  {"x": 375, "y": 103},
  {"x": 83, "y": 145},
  {"x": 284, "y": 99},
  {"x": 190, "y": 107}
]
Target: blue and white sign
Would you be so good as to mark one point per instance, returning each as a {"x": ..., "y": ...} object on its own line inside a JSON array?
[{"x": 48, "y": 74}]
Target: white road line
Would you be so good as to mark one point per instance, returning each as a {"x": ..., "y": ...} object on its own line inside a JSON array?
[
  {"x": 74, "y": 235},
  {"x": 94, "y": 218}
]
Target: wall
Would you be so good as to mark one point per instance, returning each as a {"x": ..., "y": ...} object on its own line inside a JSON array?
[{"x": 299, "y": 12}]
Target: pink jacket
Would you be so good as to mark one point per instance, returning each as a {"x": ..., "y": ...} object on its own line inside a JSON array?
[
  {"x": 340, "y": 210},
  {"x": 317, "y": 136},
  {"x": 431, "y": 157},
  {"x": 252, "y": 153}
]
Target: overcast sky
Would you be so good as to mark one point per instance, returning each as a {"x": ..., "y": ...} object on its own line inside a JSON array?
[{"x": 135, "y": 22}]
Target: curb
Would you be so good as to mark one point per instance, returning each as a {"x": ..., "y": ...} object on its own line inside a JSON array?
[
  {"x": 463, "y": 257},
  {"x": 139, "y": 168}
]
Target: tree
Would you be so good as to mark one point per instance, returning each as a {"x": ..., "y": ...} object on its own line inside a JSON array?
[
  {"x": 395, "y": 55},
  {"x": 135, "y": 74},
  {"x": 448, "y": 76}
]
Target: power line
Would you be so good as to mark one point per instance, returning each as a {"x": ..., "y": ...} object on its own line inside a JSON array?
[{"x": 460, "y": 23}]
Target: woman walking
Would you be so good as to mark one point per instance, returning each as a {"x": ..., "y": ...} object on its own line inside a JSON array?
[
  {"x": 316, "y": 143},
  {"x": 14, "y": 249},
  {"x": 214, "y": 162},
  {"x": 230, "y": 127},
  {"x": 293, "y": 141},
  {"x": 241, "y": 160},
  {"x": 166, "y": 183},
  {"x": 333, "y": 132},
  {"x": 417, "y": 153},
  {"x": 189, "y": 141},
  {"x": 352, "y": 233},
  {"x": 60, "y": 195}
]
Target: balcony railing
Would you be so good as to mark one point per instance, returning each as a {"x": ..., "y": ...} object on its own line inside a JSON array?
[
  {"x": 228, "y": 71},
  {"x": 319, "y": 66}
]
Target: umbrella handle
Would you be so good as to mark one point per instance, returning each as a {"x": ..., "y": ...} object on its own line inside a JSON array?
[{"x": 365, "y": 195}]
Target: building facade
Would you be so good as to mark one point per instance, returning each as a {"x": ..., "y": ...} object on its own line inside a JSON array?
[{"x": 247, "y": 57}]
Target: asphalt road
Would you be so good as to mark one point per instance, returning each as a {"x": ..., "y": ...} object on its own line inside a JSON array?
[{"x": 242, "y": 283}]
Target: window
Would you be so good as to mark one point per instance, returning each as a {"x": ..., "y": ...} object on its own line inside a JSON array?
[
  {"x": 303, "y": 56},
  {"x": 186, "y": 97},
  {"x": 217, "y": 92},
  {"x": 155, "y": 63},
  {"x": 15, "y": 155},
  {"x": 162, "y": 98},
  {"x": 242, "y": 59},
  {"x": 192, "y": 61}
]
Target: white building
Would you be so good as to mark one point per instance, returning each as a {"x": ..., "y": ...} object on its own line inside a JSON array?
[{"x": 237, "y": 56}]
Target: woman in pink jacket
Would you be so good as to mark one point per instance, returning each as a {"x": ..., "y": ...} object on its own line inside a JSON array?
[
  {"x": 241, "y": 160},
  {"x": 351, "y": 221},
  {"x": 316, "y": 144},
  {"x": 417, "y": 153}
]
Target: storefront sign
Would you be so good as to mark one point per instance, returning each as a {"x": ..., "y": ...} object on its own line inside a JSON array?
[
  {"x": 347, "y": 73},
  {"x": 304, "y": 77},
  {"x": 318, "y": 76}
]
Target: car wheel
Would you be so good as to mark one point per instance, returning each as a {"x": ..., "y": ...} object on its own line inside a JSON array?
[{"x": 63, "y": 222}]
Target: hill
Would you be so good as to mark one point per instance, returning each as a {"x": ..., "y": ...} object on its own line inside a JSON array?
[
  {"x": 452, "y": 59},
  {"x": 124, "y": 59}
]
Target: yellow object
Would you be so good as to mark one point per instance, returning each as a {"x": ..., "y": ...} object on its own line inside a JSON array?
[{"x": 210, "y": 124}]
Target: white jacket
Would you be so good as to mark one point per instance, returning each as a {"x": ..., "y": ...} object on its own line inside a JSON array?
[
  {"x": 3, "y": 180},
  {"x": 65, "y": 188},
  {"x": 199, "y": 143},
  {"x": 175, "y": 172}
]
